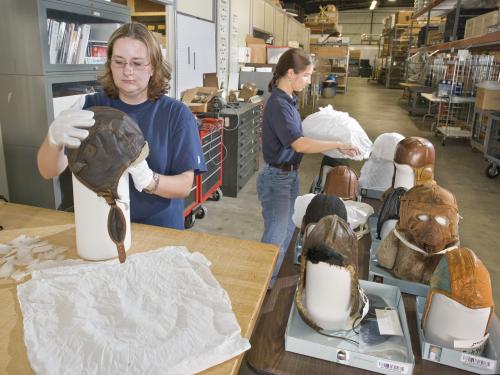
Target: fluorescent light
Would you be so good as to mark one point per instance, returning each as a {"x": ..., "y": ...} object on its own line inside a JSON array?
[
  {"x": 373, "y": 4},
  {"x": 291, "y": 12}
]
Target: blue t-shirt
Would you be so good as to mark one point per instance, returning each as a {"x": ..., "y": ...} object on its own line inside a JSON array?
[
  {"x": 170, "y": 129},
  {"x": 282, "y": 126}
]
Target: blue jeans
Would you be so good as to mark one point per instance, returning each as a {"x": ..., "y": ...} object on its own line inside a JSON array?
[{"x": 277, "y": 192}]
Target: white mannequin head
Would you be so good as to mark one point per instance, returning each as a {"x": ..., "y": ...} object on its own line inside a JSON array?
[
  {"x": 385, "y": 145},
  {"x": 387, "y": 227},
  {"x": 404, "y": 176},
  {"x": 328, "y": 295},
  {"x": 448, "y": 320}
]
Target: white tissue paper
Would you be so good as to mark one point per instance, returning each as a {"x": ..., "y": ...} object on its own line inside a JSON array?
[
  {"x": 25, "y": 254},
  {"x": 357, "y": 213},
  {"x": 328, "y": 124},
  {"x": 161, "y": 312}
]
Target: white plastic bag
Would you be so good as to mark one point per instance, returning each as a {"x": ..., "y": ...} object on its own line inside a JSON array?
[
  {"x": 357, "y": 213},
  {"x": 328, "y": 124}
]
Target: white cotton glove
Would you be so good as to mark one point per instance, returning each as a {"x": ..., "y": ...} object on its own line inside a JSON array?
[
  {"x": 66, "y": 129},
  {"x": 141, "y": 174}
]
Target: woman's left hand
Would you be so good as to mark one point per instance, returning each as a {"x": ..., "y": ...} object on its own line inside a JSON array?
[{"x": 349, "y": 150}]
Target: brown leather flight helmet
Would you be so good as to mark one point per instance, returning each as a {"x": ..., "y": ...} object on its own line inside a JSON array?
[
  {"x": 342, "y": 182},
  {"x": 428, "y": 217},
  {"x": 461, "y": 276},
  {"x": 419, "y": 154},
  {"x": 331, "y": 240},
  {"x": 114, "y": 142}
]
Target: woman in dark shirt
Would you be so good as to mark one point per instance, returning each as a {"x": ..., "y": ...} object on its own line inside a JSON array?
[{"x": 283, "y": 145}]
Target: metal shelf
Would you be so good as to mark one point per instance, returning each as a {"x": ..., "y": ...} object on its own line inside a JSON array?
[
  {"x": 474, "y": 42},
  {"x": 436, "y": 7}
]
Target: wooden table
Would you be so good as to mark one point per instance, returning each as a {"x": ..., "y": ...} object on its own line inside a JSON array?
[
  {"x": 243, "y": 268},
  {"x": 415, "y": 90},
  {"x": 268, "y": 355}
]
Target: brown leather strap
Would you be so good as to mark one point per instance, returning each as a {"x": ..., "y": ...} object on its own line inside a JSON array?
[{"x": 121, "y": 252}]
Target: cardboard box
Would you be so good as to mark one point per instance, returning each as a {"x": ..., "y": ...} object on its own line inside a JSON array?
[
  {"x": 355, "y": 54},
  {"x": 488, "y": 98},
  {"x": 403, "y": 17},
  {"x": 197, "y": 99},
  {"x": 258, "y": 53},
  {"x": 478, "y": 26},
  {"x": 328, "y": 51},
  {"x": 469, "y": 28}
]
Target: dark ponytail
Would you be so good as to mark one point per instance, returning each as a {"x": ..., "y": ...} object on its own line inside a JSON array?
[{"x": 294, "y": 58}]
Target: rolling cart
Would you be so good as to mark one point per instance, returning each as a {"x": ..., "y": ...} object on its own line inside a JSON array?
[
  {"x": 492, "y": 146},
  {"x": 207, "y": 185}
]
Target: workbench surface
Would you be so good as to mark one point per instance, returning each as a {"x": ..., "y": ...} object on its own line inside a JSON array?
[{"x": 243, "y": 268}]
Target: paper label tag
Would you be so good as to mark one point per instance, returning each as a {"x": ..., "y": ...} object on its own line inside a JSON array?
[
  {"x": 471, "y": 346},
  {"x": 479, "y": 362},
  {"x": 388, "y": 322},
  {"x": 343, "y": 356},
  {"x": 397, "y": 367}
]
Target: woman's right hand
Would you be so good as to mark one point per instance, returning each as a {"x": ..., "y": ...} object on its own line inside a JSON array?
[{"x": 349, "y": 150}]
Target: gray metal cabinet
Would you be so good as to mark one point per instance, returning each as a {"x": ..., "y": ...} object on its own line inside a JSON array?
[
  {"x": 29, "y": 83},
  {"x": 242, "y": 143}
]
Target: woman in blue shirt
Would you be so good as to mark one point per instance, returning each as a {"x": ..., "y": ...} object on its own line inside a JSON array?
[
  {"x": 135, "y": 80},
  {"x": 283, "y": 145}
]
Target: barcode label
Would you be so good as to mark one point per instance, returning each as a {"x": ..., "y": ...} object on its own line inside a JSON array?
[
  {"x": 392, "y": 366},
  {"x": 479, "y": 362}
]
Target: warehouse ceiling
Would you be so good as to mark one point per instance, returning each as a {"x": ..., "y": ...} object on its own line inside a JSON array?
[{"x": 312, "y": 6}]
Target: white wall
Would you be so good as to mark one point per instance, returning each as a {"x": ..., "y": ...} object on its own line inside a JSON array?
[
  {"x": 357, "y": 22},
  {"x": 197, "y": 8},
  {"x": 243, "y": 9}
]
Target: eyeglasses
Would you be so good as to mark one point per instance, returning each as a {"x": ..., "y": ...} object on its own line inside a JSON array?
[{"x": 136, "y": 66}]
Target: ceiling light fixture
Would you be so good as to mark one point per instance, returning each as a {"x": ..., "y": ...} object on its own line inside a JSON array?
[
  {"x": 373, "y": 4},
  {"x": 291, "y": 12}
]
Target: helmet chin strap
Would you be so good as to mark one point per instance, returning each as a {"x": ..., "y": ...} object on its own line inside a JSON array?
[{"x": 418, "y": 249}]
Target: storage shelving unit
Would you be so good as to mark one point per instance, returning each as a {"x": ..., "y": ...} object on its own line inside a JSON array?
[
  {"x": 455, "y": 117},
  {"x": 480, "y": 128},
  {"x": 30, "y": 82},
  {"x": 151, "y": 14},
  {"x": 394, "y": 52},
  {"x": 333, "y": 58}
]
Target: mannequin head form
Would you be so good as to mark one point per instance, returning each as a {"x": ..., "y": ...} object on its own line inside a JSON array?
[
  {"x": 460, "y": 301},
  {"x": 329, "y": 297},
  {"x": 414, "y": 161}
]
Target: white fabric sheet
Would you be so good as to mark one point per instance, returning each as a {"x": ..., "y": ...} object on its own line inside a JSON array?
[{"x": 161, "y": 312}]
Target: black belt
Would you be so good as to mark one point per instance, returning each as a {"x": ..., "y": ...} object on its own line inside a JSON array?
[{"x": 286, "y": 167}]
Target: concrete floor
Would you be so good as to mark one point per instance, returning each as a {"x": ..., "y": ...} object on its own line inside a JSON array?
[{"x": 381, "y": 110}]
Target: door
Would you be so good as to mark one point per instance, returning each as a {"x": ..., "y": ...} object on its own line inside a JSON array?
[{"x": 195, "y": 51}]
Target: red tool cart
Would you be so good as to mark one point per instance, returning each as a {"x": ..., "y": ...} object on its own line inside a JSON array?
[{"x": 207, "y": 185}]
